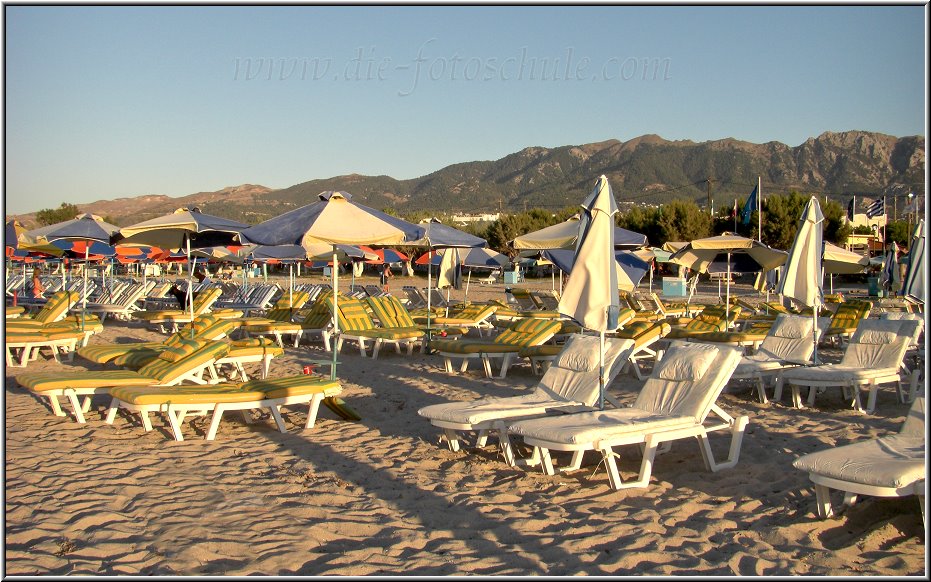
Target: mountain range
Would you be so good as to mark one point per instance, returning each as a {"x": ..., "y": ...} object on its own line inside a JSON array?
[{"x": 643, "y": 170}]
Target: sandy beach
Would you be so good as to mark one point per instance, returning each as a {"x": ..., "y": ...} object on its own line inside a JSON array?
[{"x": 385, "y": 496}]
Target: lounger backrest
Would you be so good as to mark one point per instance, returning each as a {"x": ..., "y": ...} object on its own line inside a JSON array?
[
  {"x": 530, "y": 331},
  {"x": 914, "y": 424},
  {"x": 523, "y": 298},
  {"x": 902, "y": 315},
  {"x": 57, "y": 306},
  {"x": 352, "y": 315},
  {"x": 390, "y": 311},
  {"x": 849, "y": 314},
  {"x": 206, "y": 299},
  {"x": 625, "y": 315},
  {"x": 713, "y": 318},
  {"x": 287, "y": 304},
  {"x": 790, "y": 338},
  {"x": 189, "y": 355},
  {"x": 879, "y": 343},
  {"x": 475, "y": 311},
  {"x": 688, "y": 379},
  {"x": 573, "y": 375},
  {"x": 321, "y": 312},
  {"x": 644, "y": 332}
]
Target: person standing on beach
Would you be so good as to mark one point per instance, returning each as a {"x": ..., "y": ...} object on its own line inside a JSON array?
[
  {"x": 385, "y": 275},
  {"x": 37, "y": 287}
]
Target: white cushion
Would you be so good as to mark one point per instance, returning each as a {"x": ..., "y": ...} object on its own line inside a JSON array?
[
  {"x": 685, "y": 362},
  {"x": 579, "y": 360},
  {"x": 877, "y": 337},
  {"x": 791, "y": 327}
]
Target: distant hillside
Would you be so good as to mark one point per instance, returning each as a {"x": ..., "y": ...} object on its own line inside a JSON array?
[{"x": 647, "y": 169}]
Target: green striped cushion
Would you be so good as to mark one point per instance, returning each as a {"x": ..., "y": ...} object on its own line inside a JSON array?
[
  {"x": 136, "y": 359},
  {"x": 56, "y": 307},
  {"x": 352, "y": 315},
  {"x": 528, "y": 331},
  {"x": 42, "y": 381},
  {"x": 103, "y": 353},
  {"x": 205, "y": 299},
  {"x": 394, "y": 333},
  {"x": 181, "y": 349},
  {"x": 165, "y": 371}
]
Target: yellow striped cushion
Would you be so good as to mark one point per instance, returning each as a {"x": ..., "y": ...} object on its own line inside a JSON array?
[
  {"x": 180, "y": 395},
  {"x": 166, "y": 372},
  {"x": 181, "y": 349},
  {"x": 254, "y": 347},
  {"x": 290, "y": 386},
  {"x": 103, "y": 353},
  {"x": 135, "y": 359},
  {"x": 339, "y": 406},
  {"x": 56, "y": 306},
  {"x": 352, "y": 315},
  {"x": 44, "y": 335},
  {"x": 42, "y": 381}
]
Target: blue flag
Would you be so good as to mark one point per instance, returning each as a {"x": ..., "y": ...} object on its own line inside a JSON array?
[
  {"x": 877, "y": 208},
  {"x": 749, "y": 207}
]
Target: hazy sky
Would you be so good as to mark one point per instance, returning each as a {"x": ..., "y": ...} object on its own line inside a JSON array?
[{"x": 112, "y": 101}]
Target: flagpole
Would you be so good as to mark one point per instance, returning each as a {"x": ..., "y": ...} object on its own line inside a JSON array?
[{"x": 759, "y": 209}]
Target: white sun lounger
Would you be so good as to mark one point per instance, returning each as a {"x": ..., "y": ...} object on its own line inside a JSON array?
[
  {"x": 873, "y": 357},
  {"x": 789, "y": 343},
  {"x": 674, "y": 403},
  {"x": 889, "y": 466},
  {"x": 570, "y": 382}
]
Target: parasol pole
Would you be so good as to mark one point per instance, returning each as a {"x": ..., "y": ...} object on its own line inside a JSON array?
[
  {"x": 727, "y": 302},
  {"x": 190, "y": 282},
  {"x": 334, "y": 274},
  {"x": 429, "y": 294},
  {"x": 601, "y": 369},
  {"x": 84, "y": 293}
]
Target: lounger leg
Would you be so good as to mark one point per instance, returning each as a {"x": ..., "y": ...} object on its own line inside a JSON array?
[
  {"x": 849, "y": 498},
  {"x": 507, "y": 448},
  {"x": 812, "y": 392},
  {"x": 761, "y": 389},
  {"x": 777, "y": 389},
  {"x": 823, "y": 501},
  {"x": 73, "y": 397},
  {"x": 447, "y": 362},
  {"x": 215, "y": 421},
  {"x": 452, "y": 439},
  {"x": 505, "y": 364},
  {"x": 733, "y": 455},
  {"x": 464, "y": 365},
  {"x": 646, "y": 466},
  {"x": 375, "y": 349},
  {"x": 547, "y": 461},
  {"x": 56, "y": 406},
  {"x": 871, "y": 399},
  {"x": 312, "y": 410},
  {"x": 276, "y": 415},
  {"x": 174, "y": 422},
  {"x": 486, "y": 364},
  {"x": 482, "y": 438},
  {"x": 111, "y": 413},
  {"x": 575, "y": 463},
  {"x": 146, "y": 422}
]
